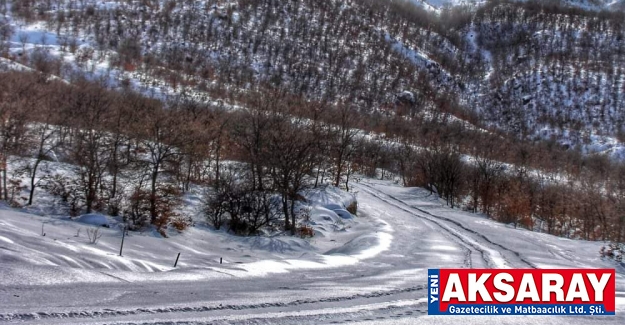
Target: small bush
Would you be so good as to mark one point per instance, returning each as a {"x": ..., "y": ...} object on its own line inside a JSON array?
[
  {"x": 242, "y": 208},
  {"x": 137, "y": 211},
  {"x": 238, "y": 226},
  {"x": 162, "y": 232},
  {"x": 167, "y": 200},
  {"x": 353, "y": 208},
  {"x": 181, "y": 223},
  {"x": 613, "y": 251},
  {"x": 15, "y": 188},
  {"x": 115, "y": 204},
  {"x": 94, "y": 235},
  {"x": 339, "y": 225},
  {"x": 215, "y": 209},
  {"x": 67, "y": 190},
  {"x": 306, "y": 232},
  {"x": 304, "y": 214}
]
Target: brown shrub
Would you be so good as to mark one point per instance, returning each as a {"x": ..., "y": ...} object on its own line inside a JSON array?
[
  {"x": 306, "y": 231},
  {"x": 353, "y": 208},
  {"x": 180, "y": 223}
]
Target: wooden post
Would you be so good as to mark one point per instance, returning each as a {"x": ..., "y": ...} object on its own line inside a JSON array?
[
  {"x": 177, "y": 260},
  {"x": 123, "y": 236},
  {"x": 221, "y": 260}
]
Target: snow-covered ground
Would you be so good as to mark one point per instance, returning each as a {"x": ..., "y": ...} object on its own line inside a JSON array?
[
  {"x": 435, "y": 5},
  {"x": 369, "y": 269},
  {"x": 50, "y": 242}
]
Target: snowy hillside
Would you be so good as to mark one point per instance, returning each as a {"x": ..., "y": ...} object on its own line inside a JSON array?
[
  {"x": 584, "y": 4},
  {"x": 596, "y": 4},
  {"x": 304, "y": 161},
  {"x": 63, "y": 248},
  {"x": 543, "y": 77}
]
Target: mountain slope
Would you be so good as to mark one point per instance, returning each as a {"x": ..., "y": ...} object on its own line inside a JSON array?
[
  {"x": 583, "y": 4},
  {"x": 533, "y": 70}
]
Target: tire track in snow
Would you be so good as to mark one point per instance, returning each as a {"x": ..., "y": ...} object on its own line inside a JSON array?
[
  {"x": 180, "y": 309},
  {"x": 456, "y": 223},
  {"x": 469, "y": 247},
  {"x": 330, "y": 315}
]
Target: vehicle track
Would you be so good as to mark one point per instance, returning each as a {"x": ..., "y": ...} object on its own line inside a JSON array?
[
  {"x": 438, "y": 218},
  {"x": 377, "y": 315},
  {"x": 469, "y": 247},
  {"x": 180, "y": 309}
]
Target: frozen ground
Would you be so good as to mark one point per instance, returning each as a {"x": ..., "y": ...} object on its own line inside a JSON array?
[{"x": 370, "y": 270}]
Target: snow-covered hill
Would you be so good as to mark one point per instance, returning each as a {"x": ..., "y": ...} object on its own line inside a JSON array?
[
  {"x": 596, "y": 4},
  {"x": 583, "y": 4},
  {"x": 479, "y": 103},
  {"x": 534, "y": 71}
]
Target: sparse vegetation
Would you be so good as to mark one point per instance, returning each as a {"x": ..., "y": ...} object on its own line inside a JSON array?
[
  {"x": 352, "y": 208},
  {"x": 613, "y": 251},
  {"x": 94, "y": 234},
  {"x": 489, "y": 107}
]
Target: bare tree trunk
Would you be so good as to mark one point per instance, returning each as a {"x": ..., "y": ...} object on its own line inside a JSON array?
[
  {"x": 4, "y": 183},
  {"x": 347, "y": 175},
  {"x": 260, "y": 176},
  {"x": 217, "y": 160},
  {"x": 339, "y": 166},
  {"x": 293, "y": 216},
  {"x": 187, "y": 182},
  {"x": 317, "y": 177},
  {"x": 91, "y": 192},
  {"x": 4, "y": 165},
  {"x": 285, "y": 210},
  {"x": 153, "y": 211},
  {"x": 32, "y": 182},
  {"x": 114, "y": 185}
]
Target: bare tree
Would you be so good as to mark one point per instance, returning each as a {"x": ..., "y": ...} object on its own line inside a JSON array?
[
  {"x": 16, "y": 91},
  {"x": 345, "y": 143},
  {"x": 291, "y": 149},
  {"x": 91, "y": 108},
  {"x": 161, "y": 135},
  {"x": 44, "y": 134}
]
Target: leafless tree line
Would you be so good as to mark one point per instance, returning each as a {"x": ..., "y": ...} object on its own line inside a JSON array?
[{"x": 134, "y": 156}]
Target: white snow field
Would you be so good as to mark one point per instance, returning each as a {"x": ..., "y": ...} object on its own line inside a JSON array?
[{"x": 369, "y": 269}]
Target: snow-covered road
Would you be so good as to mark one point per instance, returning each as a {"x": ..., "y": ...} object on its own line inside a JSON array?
[{"x": 387, "y": 287}]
